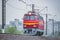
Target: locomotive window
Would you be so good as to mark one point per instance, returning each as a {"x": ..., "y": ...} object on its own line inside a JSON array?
[
  {"x": 32, "y": 17},
  {"x": 41, "y": 18},
  {"x": 26, "y": 17}
]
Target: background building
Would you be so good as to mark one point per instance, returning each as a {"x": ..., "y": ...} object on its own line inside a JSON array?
[{"x": 17, "y": 23}]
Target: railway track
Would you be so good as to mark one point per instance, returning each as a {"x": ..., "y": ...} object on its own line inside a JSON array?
[{"x": 24, "y": 37}]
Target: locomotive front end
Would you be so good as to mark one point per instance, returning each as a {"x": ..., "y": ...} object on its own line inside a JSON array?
[{"x": 31, "y": 24}]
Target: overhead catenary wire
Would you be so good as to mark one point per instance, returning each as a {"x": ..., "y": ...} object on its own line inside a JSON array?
[
  {"x": 14, "y": 7},
  {"x": 25, "y": 3}
]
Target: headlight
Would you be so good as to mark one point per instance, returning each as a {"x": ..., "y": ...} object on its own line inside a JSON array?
[
  {"x": 24, "y": 25},
  {"x": 34, "y": 25}
]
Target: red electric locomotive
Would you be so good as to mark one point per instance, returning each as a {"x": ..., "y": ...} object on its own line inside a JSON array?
[{"x": 33, "y": 23}]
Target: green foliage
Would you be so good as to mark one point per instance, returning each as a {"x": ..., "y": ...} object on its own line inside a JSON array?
[
  {"x": 19, "y": 32},
  {"x": 12, "y": 30},
  {"x": 0, "y": 31}
]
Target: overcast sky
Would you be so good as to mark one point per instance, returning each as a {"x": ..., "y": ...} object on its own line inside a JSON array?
[{"x": 16, "y": 9}]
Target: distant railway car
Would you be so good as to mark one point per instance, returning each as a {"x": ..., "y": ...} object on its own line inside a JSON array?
[{"x": 33, "y": 23}]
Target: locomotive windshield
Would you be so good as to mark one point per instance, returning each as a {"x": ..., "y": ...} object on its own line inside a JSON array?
[
  {"x": 32, "y": 17},
  {"x": 29, "y": 17},
  {"x": 26, "y": 17}
]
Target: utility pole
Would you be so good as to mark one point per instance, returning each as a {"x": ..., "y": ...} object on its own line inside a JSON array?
[
  {"x": 3, "y": 14},
  {"x": 53, "y": 25},
  {"x": 33, "y": 7},
  {"x": 53, "y": 21},
  {"x": 46, "y": 24}
]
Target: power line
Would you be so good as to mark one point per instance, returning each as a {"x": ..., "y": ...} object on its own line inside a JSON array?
[
  {"x": 25, "y": 3},
  {"x": 14, "y": 7}
]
